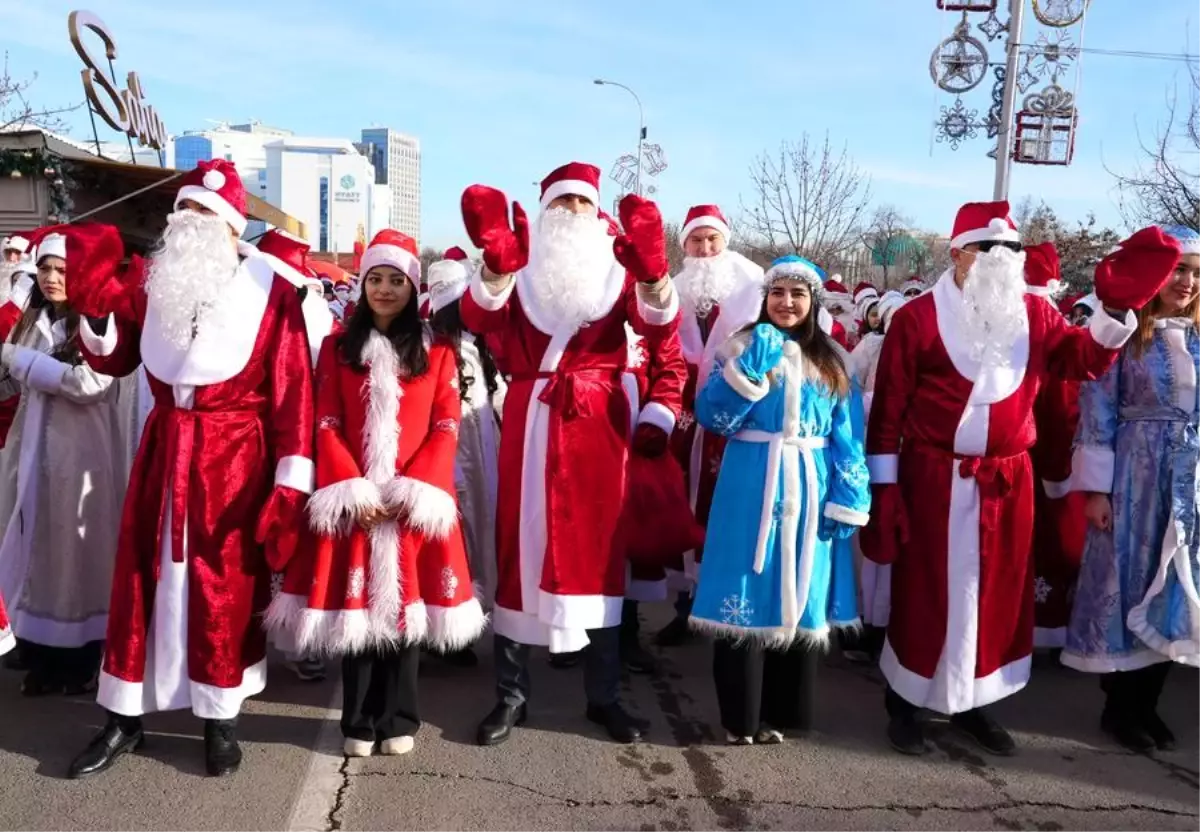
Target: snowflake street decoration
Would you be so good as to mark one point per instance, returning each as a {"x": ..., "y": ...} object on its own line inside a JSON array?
[
  {"x": 956, "y": 124},
  {"x": 736, "y": 610},
  {"x": 1041, "y": 590},
  {"x": 992, "y": 27},
  {"x": 1059, "y": 13},
  {"x": 1053, "y": 55},
  {"x": 959, "y": 62},
  {"x": 624, "y": 172},
  {"x": 1025, "y": 79}
]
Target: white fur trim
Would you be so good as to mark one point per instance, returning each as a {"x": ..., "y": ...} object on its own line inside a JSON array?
[
  {"x": 714, "y": 223},
  {"x": 7, "y": 641},
  {"x": 653, "y": 315},
  {"x": 914, "y": 689},
  {"x": 884, "y": 468},
  {"x": 996, "y": 229},
  {"x": 296, "y": 472},
  {"x": 207, "y": 701},
  {"x": 659, "y": 415},
  {"x": 385, "y": 255},
  {"x": 849, "y": 516},
  {"x": 1111, "y": 664},
  {"x": 1057, "y": 490},
  {"x": 1110, "y": 333},
  {"x": 1051, "y": 290},
  {"x": 425, "y": 507},
  {"x": 16, "y": 242},
  {"x": 21, "y": 290},
  {"x": 283, "y": 614},
  {"x": 448, "y": 281},
  {"x": 771, "y": 638},
  {"x": 481, "y": 293},
  {"x": 334, "y": 508},
  {"x": 566, "y": 187},
  {"x": 452, "y": 628},
  {"x": 1092, "y": 468},
  {"x": 743, "y": 386},
  {"x": 1173, "y": 554},
  {"x": 214, "y": 202},
  {"x": 290, "y": 274},
  {"x": 794, "y": 270},
  {"x": 381, "y": 429},
  {"x": 52, "y": 245},
  {"x": 101, "y": 345}
]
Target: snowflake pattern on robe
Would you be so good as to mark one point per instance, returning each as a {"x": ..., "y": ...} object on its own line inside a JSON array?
[
  {"x": 736, "y": 611},
  {"x": 449, "y": 583},
  {"x": 725, "y": 423},
  {"x": 1041, "y": 590},
  {"x": 636, "y": 355},
  {"x": 276, "y": 583},
  {"x": 355, "y": 584},
  {"x": 855, "y": 476},
  {"x": 330, "y": 423},
  {"x": 685, "y": 421},
  {"x": 446, "y": 426}
]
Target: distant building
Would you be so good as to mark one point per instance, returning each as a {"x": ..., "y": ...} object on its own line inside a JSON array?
[{"x": 397, "y": 161}]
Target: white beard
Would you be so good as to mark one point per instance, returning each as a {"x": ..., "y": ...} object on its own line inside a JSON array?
[
  {"x": 995, "y": 315},
  {"x": 569, "y": 265},
  {"x": 705, "y": 282},
  {"x": 189, "y": 273}
]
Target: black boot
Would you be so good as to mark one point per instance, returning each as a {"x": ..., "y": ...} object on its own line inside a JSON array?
[
  {"x": 498, "y": 724},
  {"x": 565, "y": 661},
  {"x": 1150, "y": 687},
  {"x": 1121, "y": 716},
  {"x": 633, "y": 655},
  {"x": 221, "y": 752},
  {"x": 620, "y": 725},
  {"x": 904, "y": 731},
  {"x": 119, "y": 735},
  {"x": 980, "y": 726}
]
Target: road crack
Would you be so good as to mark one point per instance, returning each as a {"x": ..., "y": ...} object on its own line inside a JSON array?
[{"x": 333, "y": 820}]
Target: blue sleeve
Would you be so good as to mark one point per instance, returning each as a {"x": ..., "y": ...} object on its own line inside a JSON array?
[
  {"x": 848, "y": 499},
  {"x": 728, "y": 398},
  {"x": 1095, "y": 441}
]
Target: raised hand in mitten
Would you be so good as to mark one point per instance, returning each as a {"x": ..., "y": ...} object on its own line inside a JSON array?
[
  {"x": 649, "y": 441},
  {"x": 485, "y": 214},
  {"x": 762, "y": 353},
  {"x": 95, "y": 286},
  {"x": 1131, "y": 276},
  {"x": 886, "y": 532},
  {"x": 642, "y": 249}
]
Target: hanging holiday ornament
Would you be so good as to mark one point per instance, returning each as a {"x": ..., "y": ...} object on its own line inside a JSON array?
[
  {"x": 1045, "y": 128},
  {"x": 1052, "y": 55},
  {"x": 1025, "y": 78},
  {"x": 994, "y": 111},
  {"x": 956, "y": 124},
  {"x": 656, "y": 160},
  {"x": 967, "y": 5},
  {"x": 1059, "y": 13},
  {"x": 624, "y": 172},
  {"x": 959, "y": 62},
  {"x": 992, "y": 27}
]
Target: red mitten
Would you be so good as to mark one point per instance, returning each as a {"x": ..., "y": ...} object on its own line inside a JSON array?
[
  {"x": 649, "y": 441},
  {"x": 95, "y": 287},
  {"x": 485, "y": 214},
  {"x": 1131, "y": 276},
  {"x": 279, "y": 525},
  {"x": 642, "y": 249},
  {"x": 887, "y": 530}
]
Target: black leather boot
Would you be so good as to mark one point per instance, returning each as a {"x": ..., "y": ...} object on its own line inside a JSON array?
[
  {"x": 634, "y": 657},
  {"x": 622, "y": 727},
  {"x": 498, "y": 724},
  {"x": 119, "y": 735},
  {"x": 221, "y": 752}
]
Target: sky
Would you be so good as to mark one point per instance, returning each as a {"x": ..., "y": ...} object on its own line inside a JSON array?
[{"x": 501, "y": 93}]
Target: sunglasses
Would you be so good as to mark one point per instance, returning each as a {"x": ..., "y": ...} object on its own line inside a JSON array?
[{"x": 988, "y": 245}]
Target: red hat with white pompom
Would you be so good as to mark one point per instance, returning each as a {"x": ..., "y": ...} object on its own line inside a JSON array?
[
  {"x": 704, "y": 216},
  {"x": 978, "y": 222},
  {"x": 288, "y": 256},
  {"x": 572, "y": 178},
  {"x": 216, "y": 186},
  {"x": 1043, "y": 276},
  {"x": 865, "y": 294},
  {"x": 391, "y": 248}
]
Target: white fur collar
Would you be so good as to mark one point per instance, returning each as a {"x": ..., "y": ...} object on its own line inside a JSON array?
[
  {"x": 381, "y": 428},
  {"x": 991, "y": 384},
  {"x": 223, "y": 346},
  {"x": 318, "y": 321},
  {"x": 541, "y": 319}
]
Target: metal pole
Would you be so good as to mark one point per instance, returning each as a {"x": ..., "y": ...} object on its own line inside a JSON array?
[
  {"x": 641, "y": 129},
  {"x": 1016, "y": 12}
]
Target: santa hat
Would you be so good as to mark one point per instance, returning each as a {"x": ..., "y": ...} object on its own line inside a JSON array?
[
  {"x": 793, "y": 267},
  {"x": 1042, "y": 274},
  {"x": 704, "y": 216},
  {"x": 888, "y": 304},
  {"x": 288, "y": 256},
  {"x": 457, "y": 254},
  {"x": 448, "y": 281},
  {"x": 217, "y": 186},
  {"x": 980, "y": 221},
  {"x": 912, "y": 284},
  {"x": 837, "y": 294},
  {"x": 52, "y": 245},
  {"x": 15, "y": 243},
  {"x": 865, "y": 294},
  {"x": 575, "y": 178},
  {"x": 391, "y": 248},
  {"x": 1188, "y": 238},
  {"x": 1090, "y": 301}
]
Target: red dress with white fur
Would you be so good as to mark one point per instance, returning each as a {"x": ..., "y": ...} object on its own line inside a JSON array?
[{"x": 383, "y": 441}]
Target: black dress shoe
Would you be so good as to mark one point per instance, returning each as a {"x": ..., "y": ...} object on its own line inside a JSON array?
[
  {"x": 222, "y": 755},
  {"x": 620, "y": 725},
  {"x": 987, "y": 732},
  {"x": 498, "y": 724},
  {"x": 1127, "y": 731},
  {"x": 564, "y": 661},
  {"x": 1164, "y": 738},
  {"x": 906, "y": 735},
  {"x": 674, "y": 634},
  {"x": 119, "y": 735}
]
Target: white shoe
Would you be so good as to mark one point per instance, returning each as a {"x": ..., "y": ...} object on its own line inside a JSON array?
[
  {"x": 732, "y": 739},
  {"x": 357, "y": 748},
  {"x": 396, "y": 745},
  {"x": 768, "y": 736}
]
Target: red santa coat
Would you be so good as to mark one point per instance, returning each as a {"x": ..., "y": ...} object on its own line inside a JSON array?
[
  {"x": 10, "y": 315},
  {"x": 7, "y": 640},
  {"x": 382, "y": 442},
  {"x": 232, "y": 420},
  {"x": 560, "y": 556},
  {"x": 954, "y": 435}
]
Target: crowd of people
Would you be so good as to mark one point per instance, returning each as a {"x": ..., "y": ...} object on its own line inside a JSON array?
[{"x": 209, "y": 448}]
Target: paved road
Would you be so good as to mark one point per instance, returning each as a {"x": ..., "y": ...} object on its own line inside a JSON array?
[{"x": 560, "y": 773}]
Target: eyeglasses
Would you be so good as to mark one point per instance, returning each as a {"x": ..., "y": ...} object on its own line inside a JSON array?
[{"x": 987, "y": 245}]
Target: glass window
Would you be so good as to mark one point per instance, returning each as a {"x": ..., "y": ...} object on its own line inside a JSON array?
[{"x": 324, "y": 236}]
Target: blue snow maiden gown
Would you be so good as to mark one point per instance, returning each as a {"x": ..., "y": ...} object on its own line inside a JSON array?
[
  {"x": 793, "y": 483},
  {"x": 1136, "y": 602}
]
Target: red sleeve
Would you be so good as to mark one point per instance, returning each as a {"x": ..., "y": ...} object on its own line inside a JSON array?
[
  {"x": 1056, "y": 414},
  {"x": 118, "y": 352},
  {"x": 667, "y": 374},
  {"x": 652, "y": 324},
  {"x": 291, "y": 425},
  {"x": 483, "y": 312},
  {"x": 895, "y": 383},
  {"x": 1076, "y": 353}
]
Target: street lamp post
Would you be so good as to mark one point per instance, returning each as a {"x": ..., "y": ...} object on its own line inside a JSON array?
[{"x": 641, "y": 128}]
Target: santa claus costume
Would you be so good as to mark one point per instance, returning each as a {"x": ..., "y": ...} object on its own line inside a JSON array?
[
  {"x": 10, "y": 314},
  {"x": 913, "y": 287},
  {"x": 865, "y": 298},
  {"x": 839, "y": 306},
  {"x": 951, "y": 424},
  {"x": 711, "y": 276},
  {"x": 65, "y": 467},
  {"x": 218, "y": 487},
  {"x": 560, "y": 310}
]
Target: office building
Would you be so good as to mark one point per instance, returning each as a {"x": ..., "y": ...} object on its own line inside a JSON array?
[{"x": 397, "y": 161}]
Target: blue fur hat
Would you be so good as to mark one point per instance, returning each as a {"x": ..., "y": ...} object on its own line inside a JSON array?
[
  {"x": 794, "y": 267},
  {"x": 1188, "y": 238}
]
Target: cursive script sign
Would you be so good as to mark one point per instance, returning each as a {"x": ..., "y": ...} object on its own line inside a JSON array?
[{"x": 125, "y": 110}]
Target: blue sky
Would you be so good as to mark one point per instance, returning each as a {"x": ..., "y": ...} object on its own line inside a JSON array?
[{"x": 501, "y": 92}]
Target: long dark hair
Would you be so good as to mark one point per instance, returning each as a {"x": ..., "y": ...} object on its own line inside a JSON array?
[
  {"x": 447, "y": 324},
  {"x": 405, "y": 332},
  {"x": 818, "y": 348},
  {"x": 66, "y": 352}
]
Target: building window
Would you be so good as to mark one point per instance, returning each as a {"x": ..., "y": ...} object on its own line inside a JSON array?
[
  {"x": 324, "y": 236},
  {"x": 190, "y": 151}
]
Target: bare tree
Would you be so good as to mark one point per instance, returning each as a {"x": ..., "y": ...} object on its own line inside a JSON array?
[
  {"x": 17, "y": 113},
  {"x": 808, "y": 199},
  {"x": 934, "y": 257},
  {"x": 674, "y": 247},
  {"x": 1079, "y": 248},
  {"x": 429, "y": 256},
  {"x": 885, "y": 237}
]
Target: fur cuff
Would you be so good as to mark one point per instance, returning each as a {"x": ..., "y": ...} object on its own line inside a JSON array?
[
  {"x": 101, "y": 346},
  {"x": 654, "y": 315},
  {"x": 333, "y": 509},
  {"x": 282, "y": 618},
  {"x": 1110, "y": 333},
  {"x": 743, "y": 386},
  {"x": 1056, "y": 490},
  {"x": 452, "y": 628},
  {"x": 659, "y": 415},
  {"x": 1092, "y": 468},
  {"x": 296, "y": 472},
  {"x": 426, "y": 508},
  {"x": 481, "y": 292},
  {"x": 849, "y": 516},
  {"x": 884, "y": 468}
]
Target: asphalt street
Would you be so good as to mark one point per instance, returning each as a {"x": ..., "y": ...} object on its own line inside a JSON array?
[{"x": 560, "y": 772}]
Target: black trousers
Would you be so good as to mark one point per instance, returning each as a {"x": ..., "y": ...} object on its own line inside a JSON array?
[
  {"x": 1134, "y": 694},
  {"x": 757, "y": 686},
  {"x": 601, "y": 668},
  {"x": 379, "y": 694},
  {"x": 67, "y": 666}
]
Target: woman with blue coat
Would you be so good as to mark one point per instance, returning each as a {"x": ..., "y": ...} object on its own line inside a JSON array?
[{"x": 793, "y": 481}]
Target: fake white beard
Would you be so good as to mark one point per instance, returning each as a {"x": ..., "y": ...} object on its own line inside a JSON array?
[
  {"x": 189, "y": 273},
  {"x": 569, "y": 264},
  {"x": 705, "y": 282},
  {"x": 995, "y": 315}
]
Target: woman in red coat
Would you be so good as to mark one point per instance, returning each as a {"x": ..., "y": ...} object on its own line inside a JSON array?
[{"x": 386, "y": 571}]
